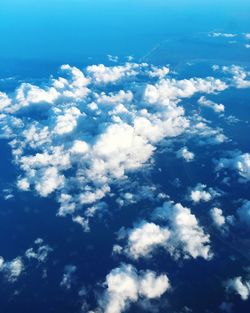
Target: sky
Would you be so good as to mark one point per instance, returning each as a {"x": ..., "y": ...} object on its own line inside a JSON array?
[
  {"x": 124, "y": 156},
  {"x": 74, "y": 30}
]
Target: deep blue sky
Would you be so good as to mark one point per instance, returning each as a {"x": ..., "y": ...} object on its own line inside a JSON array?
[{"x": 70, "y": 30}]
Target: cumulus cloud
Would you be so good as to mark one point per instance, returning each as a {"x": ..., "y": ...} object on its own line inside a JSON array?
[
  {"x": 237, "y": 161},
  {"x": 178, "y": 232},
  {"x": 218, "y": 108},
  {"x": 102, "y": 74},
  {"x": 187, "y": 237},
  {"x": 143, "y": 239},
  {"x": 218, "y": 217},
  {"x": 199, "y": 193},
  {"x": 238, "y": 73},
  {"x": 185, "y": 154},
  {"x": 80, "y": 137},
  {"x": 125, "y": 285}
]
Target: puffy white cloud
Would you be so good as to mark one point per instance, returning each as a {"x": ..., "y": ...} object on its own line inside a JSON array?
[
  {"x": 125, "y": 285},
  {"x": 66, "y": 122},
  {"x": 170, "y": 89},
  {"x": 185, "y": 154},
  {"x": 159, "y": 72},
  {"x": 218, "y": 217},
  {"x": 81, "y": 139},
  {"x": 143, "y": 239},
  {"x": 237, "y": 161},
  {"x": 186, "y": 235},
  {"x": 239, "y": 286},
  {"x": 103, "y": 74},
  {"x": 218, "y": 108},
  {"x": 199, "y": 193}
]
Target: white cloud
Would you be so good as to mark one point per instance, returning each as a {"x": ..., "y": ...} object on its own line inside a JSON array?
[
  {"x": 143, "y": 239},
  {"x": 239, "y": 286},
  {"x": 240, "y": 76},
  {"x": 199, "y": 193},
  {"x": 218, "y": 217},
  {"x": 186, "y": 235},
  {"x": 102, "y": 74},
  {"x": 159, "y": 72},
  {"x": 218, "y": 108},
  {"x": 83, "y": 139},
  {"x": 237, "y": 161},
  {"x": 125, "y": 285},
  {"x": 185, "y": 154}
]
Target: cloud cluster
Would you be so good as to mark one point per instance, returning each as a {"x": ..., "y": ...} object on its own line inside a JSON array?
[
  {"x": 187, "y": 236},
  {"x": 125, "y": 285},
  {"x": 177, "y": 231},
  {"x": 83, "y": 131},
  {"x": 14, "y": 268},
  {"x": 199, "y": 193}
]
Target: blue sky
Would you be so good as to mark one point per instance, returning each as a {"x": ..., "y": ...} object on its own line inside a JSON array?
[
  {"x": 124, "y": 156},
  {"x": 73, "y": 30}
]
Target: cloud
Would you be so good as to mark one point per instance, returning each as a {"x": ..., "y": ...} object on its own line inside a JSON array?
[
  {"x": 187, "y": 237},
  {"x": 239, "y": 286},
  {"x": 12, "y": 269},
  {"x": 69, "y": 271},
  {"x": 218, "y": 108},
  {"x": 239, "y": 75},
  {"x": 126, "y": 285},
  {"x": 185, "y": 154},
  {"x": 244, "y": 212},
  {"x": 102, "y": 74},
  {"x": 178, "y": 232},
  {"x": 218, "y": 217},
  {"x": 199, "y": 193},
  {"x": 143, "y": 239},
  {"x": 226, "y": 35},
  {"x": 40, "y": 253},
  {"x": 66, "y": 134},
  {"x": 237, "y": 161}
]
